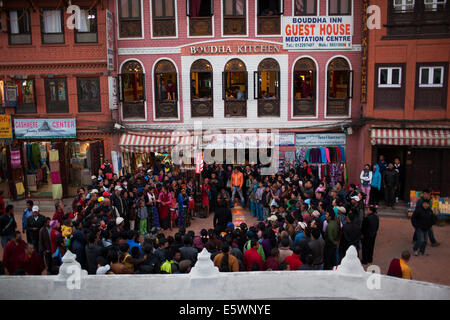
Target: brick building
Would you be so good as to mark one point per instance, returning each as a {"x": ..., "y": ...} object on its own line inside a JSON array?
[
  {"x": 228, "y": 68},
  {"x": 51, "y": 72},
  {"x": 407, "y": 111}
]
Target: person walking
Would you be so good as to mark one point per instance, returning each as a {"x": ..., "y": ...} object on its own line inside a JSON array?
[
  {"x": 237, "y": 181},
  {"x": 422, "y": 220},
  {"x": 222, "y": 215},
  {"x": 369, "y": 231},
  {"x": 366, "y": 181},
  {"x": 14, "y": 254},
  {"x": 8, "y": 225}
]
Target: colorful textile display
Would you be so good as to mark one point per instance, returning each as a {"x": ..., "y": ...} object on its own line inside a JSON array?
[
  {"x": 322, "y": 155},
  {"x": 20, "y": 188},
  {"x": 54, "y": 155},
  {"x": 15, "y": 159},
  {"x": 57, "y": 191},
  {"x": 54, "y": 166},
  {"x": 56, "y": 178}
]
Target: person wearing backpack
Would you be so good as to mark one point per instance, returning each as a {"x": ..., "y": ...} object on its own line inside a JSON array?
[{"x": 225, "y": 261}]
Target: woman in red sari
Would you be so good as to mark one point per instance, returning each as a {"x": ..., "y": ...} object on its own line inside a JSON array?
[
  {"x": 206, "y": 188},
  {"x": 165, "y": 200}
]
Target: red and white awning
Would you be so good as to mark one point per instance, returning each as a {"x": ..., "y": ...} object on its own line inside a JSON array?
[
  {"x": 155, "y": 141},
  {"x": 411, "y": 137}
]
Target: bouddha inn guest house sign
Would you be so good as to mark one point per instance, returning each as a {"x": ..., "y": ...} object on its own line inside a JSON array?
[
  {"x": 322, "y": 32},
  {"x": 45, "y": 128}
]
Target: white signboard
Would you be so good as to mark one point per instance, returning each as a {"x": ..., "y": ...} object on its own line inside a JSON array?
[
  {"x": 318, "y": 32},
  {"x": 321, "y": 139},
  {"x": 110, "y": 40},
  {"x": 286, "y": 139},
  {"x": 112, "y": 90}
]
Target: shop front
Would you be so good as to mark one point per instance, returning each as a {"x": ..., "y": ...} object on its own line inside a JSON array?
[
  {"x": 325, "y": 153},
  {"x": 424, "y": 154},
  {"x": 5, "y": 142},
  {"x": 49, "y": 159}
]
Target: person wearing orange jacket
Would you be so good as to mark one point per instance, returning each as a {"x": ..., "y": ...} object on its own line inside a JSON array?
[{"x": 237, "y": 180}]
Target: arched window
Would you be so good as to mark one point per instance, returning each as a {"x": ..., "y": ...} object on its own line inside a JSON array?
[
  {"x": 267, "y": 88},
  {"x": 166, "y": 92},
  {"x": 132, "y": 90},
  {"x": 201, "y": 89},
  {"x": 304, "y": 82},
  {"x": 340, "y": 87},
  {"x": 235, "y": 88}
]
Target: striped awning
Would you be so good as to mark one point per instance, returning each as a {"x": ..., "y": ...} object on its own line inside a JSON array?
[
  {"x": 155, "y": 141},
  {"x": 411, "y": 137}
]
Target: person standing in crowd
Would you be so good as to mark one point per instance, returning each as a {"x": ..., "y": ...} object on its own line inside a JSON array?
[
  {"x": 107, "y": 169},
  {"x": 400, "y": 172},
  {"x": 45, "y": 247},
  {"x": 206, "y": 190},
  {"x": 27, "y": 212},
  {"x": 426, "y": 196},
  {"x": 164, "y": 200},
  {"x": 33, "y": 262},
  {"x": 8, "y": 225},
  {"x": 390, "y": 183},
  {"x": 237, "y": 182},
  {"x": 366, "y": 181},
  {"x": 252, "y": 257},
  {"x": 14, "y": 254},
  {"x": 222, "y": 216},
  {"x": 375, "y": 186},
  {"x": 422, "y": 221},
  {"x": 34, "y": 225},
  {"x": 369, "y": 231},
  {"x": 332, "y": 235},
  {"x": 225, "y": 261}
]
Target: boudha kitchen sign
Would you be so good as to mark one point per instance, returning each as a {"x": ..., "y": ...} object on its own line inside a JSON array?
[{"x": 234, "y": 49}]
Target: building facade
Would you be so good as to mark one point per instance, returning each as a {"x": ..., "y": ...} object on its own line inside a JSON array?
[
  {"x": 226, "y": 63},
  {"x": 407, "y": 110},
  {"x": 55, "y": 85}
]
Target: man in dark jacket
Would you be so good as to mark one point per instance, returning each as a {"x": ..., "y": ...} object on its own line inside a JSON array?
[
  {"x": 222, "y": 215},
  {"x": 45, "y": 245},
  {"x": 116, "y": 200},
  {"x": 8, "y": 225},
  {"x": 369, "y": 231},
  {"x": 93, "y": 250},
  {"x": 390, "y": 183},
  {"x": 188, "y": 252},
  {"x": 422, "y": 220},
  {"x": 34, "y": 225},
  {"x": 426, "y": 196},
  {"x": 351, "y": 235}
]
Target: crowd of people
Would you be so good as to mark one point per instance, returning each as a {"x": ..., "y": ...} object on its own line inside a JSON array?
[{"x": 117, "y": 224}]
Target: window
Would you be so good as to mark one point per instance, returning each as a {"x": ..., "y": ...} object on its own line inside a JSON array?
[
  {"x": 305, "y": 7},
  {"x": 304, "y": 81},
  {"x": 269, "y": 16},
  {"x": 52, "y": 26},
  {"x": 132, "y": 90},
  {"x": 56, "y": 95},
  {"x": 401, "y": 6},
  {"x": 389, "y": 86},
  {"x": 88, "y": 31},
  {"x": 234, "y": 17},
  {"x": 166, "y": 91},
  {"x": 340, "y": 87},
  {"x": 24, "y": 100},
  {"x": 164, "y": 24},
  {"x": 130, "y": 19},
  {"x": 200, "y": 14},
  {"x": 389, "y": 77},
  {"x": 267, "y": 88},
  {"x": 434, "y": 5},
  {"x": 19, "y": 27},
  {"x": 431, "y": 86},
  {"x": 201, "y": 89},
  {"x": 88, "y": 94},
  {"x": 234, "y": 88},
  {"x": 339, "y": 7},
  {"x": 431, "y": 77}
]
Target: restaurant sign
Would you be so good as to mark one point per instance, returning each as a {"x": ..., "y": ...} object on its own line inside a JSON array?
[
  {"x": 319, "y": 32},
  {"x": 45, "y": 128}
]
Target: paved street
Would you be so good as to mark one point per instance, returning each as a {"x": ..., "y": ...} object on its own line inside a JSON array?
[{"x": 394, "y": 236}]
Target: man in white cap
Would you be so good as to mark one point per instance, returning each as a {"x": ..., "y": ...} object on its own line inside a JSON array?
[
  {"x": 356, "y": 205},
  {"x": 120, "y": 223},
  {"x": 34, "y": 224},
  {"x": 117, "y": 201},
  {"x": 94, "y": 182}
]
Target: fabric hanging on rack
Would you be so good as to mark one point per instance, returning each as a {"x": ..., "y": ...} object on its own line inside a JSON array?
[
  {"x": 54, "y": 166},
  {"x": 56, "y": 178},
  {"x": 327, "y": 153},
  {"x": 301, "y": 153},
  {"x": 345, "y": 173},
  {"x": 20, "y": 189},
  {"x": 35, "y": 156},
  {"x": 54, "y": 155},
  {"x": 28, "y": 153},
  {"x": 15, "y": 159},
  {"x": 342, "y": 149},
  {"x": 57, "y": 191}
]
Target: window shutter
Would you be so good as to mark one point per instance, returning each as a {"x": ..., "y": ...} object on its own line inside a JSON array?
[
  {"x": 188, "y": 8},
  {"x": 120, "y": 88},
  {"x": 350, "y": 85},
  {"x": 224, "y": 85},
  {"x": 143, "y": 87},
  {"x": 211, "y": 3},
  {"x": 255, "y": 85},
  {"x": 281, "y": 7},
  {"x": 328, "y": 84},
  {"x": 278, "y": 84},
  {"x": 246, "y": 85}
]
